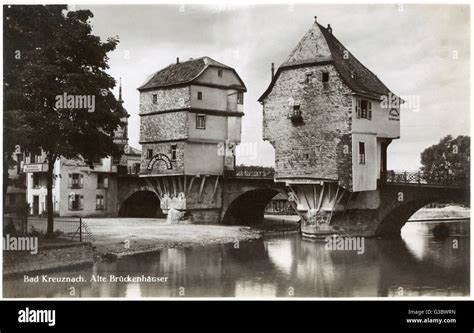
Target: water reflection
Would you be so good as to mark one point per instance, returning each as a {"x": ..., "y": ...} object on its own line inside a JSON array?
[{"x": 282, "y": 266}]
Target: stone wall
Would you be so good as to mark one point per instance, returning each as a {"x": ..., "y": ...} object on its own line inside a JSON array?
[
  {"x": 167, "y": 99},
  {"x": 164, "y": 127},
  {"x": 48, "y": 257},
  {"x": 320, "y": 145}
]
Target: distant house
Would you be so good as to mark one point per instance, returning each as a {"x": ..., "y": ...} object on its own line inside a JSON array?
[
  {"x": 79, "y": 190},
  {"x": 279, "y": 206}
]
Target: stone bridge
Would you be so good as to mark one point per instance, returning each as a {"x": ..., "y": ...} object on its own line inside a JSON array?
[
  {"x": 239, "y": 198},
  {"x": 395, "y": 203}
]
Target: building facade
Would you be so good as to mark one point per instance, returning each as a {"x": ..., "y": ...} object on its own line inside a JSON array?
[
  {"x": 324, "y": 114},
  {"x": 190, "y": 124},
  {"x": 78, "y": 189}
]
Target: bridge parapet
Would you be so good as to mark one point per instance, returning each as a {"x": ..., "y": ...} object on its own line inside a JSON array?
[
  {"x": 423, "y": 178},
  {"x": 251, "y": 172}
]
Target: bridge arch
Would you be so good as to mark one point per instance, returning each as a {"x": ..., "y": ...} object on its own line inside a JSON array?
[
  {"x": 141, "y": 203},
  {"x": 248, "y": 208},
  {"x": 396, "y": 213}
]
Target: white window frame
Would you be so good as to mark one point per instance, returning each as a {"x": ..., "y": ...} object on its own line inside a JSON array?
[{"x": 198, "y": 124}]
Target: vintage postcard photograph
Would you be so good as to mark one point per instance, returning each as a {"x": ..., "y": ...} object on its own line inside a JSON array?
[{"x": 236, "y": 150}]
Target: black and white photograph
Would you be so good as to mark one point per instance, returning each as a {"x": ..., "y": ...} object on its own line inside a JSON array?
[{"x": 237, "y": 150}]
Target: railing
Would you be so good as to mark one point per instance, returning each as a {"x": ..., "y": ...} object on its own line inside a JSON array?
[
  {"x": 71, "y": 228},
  {"x": 251, "y": 171},
  {"x": 424, "y": 178}
]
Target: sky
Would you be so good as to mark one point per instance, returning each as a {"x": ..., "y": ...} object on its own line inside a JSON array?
[{"x": 420, "y": 52}]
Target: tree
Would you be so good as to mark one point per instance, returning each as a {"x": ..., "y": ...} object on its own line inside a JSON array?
[
  {"x": 52, "y": 53},
  {"x": 449, "y": 160}
]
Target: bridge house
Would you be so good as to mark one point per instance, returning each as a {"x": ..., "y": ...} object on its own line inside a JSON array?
[
  {"x": 322, "y": 113},
  {"x": 190, "y": 121}
]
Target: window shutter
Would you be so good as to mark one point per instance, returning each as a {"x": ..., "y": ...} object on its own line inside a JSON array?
[
  {"x": 70, "y": 180},
  {"x": 369, "y": 112},
  {"x": 81, "y": 202},
  {"x": 106, "y": 181},
  {"x": 70, "y": 202},
  {"x": 358, "y": 108},
  {"x": 82, "y": 181}
]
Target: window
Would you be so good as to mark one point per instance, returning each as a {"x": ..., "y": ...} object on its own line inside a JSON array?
[
  {"x": 361, "y": 152},
  {"x": 308, "y": 77},
  {"x": 35, "y": 156},
  {"x": 75, "y": 202},
  {"x": 149, "y": 153},
  {"x": 219, "y": 72},
  {"x": 76, "y": 180},
  {"x": 200, "y": 95},
  {"x": 240, "y": 97},
  {"x": 36, "y": 180},
  {"x": 102, "y": 181},
  {"x": 296, "y": 111},
  {"x": 201, "y": 121},
  {"x": 173, "y": 152},
  {"x": 136, "y": 168},
  {"x": 364, "y": 109},
  {"x": 325, "y": 77},
  {"x": 99, "y": 202},
  {"x": 155, "y": 99}
]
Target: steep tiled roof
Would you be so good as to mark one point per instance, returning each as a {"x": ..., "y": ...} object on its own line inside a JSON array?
[
  {"x": 181, "y": 73},
  {"x": 312, "y": 51},
  {"x": 358, "y": 77}
]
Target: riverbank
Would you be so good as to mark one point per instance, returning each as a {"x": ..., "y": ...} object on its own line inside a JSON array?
[{"x": 118, "y": 237}]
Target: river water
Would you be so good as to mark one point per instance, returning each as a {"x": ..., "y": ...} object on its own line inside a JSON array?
[{"x": 282, "y": 265}]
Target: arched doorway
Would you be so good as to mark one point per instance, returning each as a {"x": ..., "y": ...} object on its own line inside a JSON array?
[{"x": 141, "y": 204}]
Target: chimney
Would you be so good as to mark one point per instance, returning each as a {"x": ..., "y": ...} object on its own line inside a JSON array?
[
  {"x": 273, "y": 70},
  {"x": 315, "y": 19},
  {"x": 329, "y": 29},
  {"x": 177, "y": 60}
]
